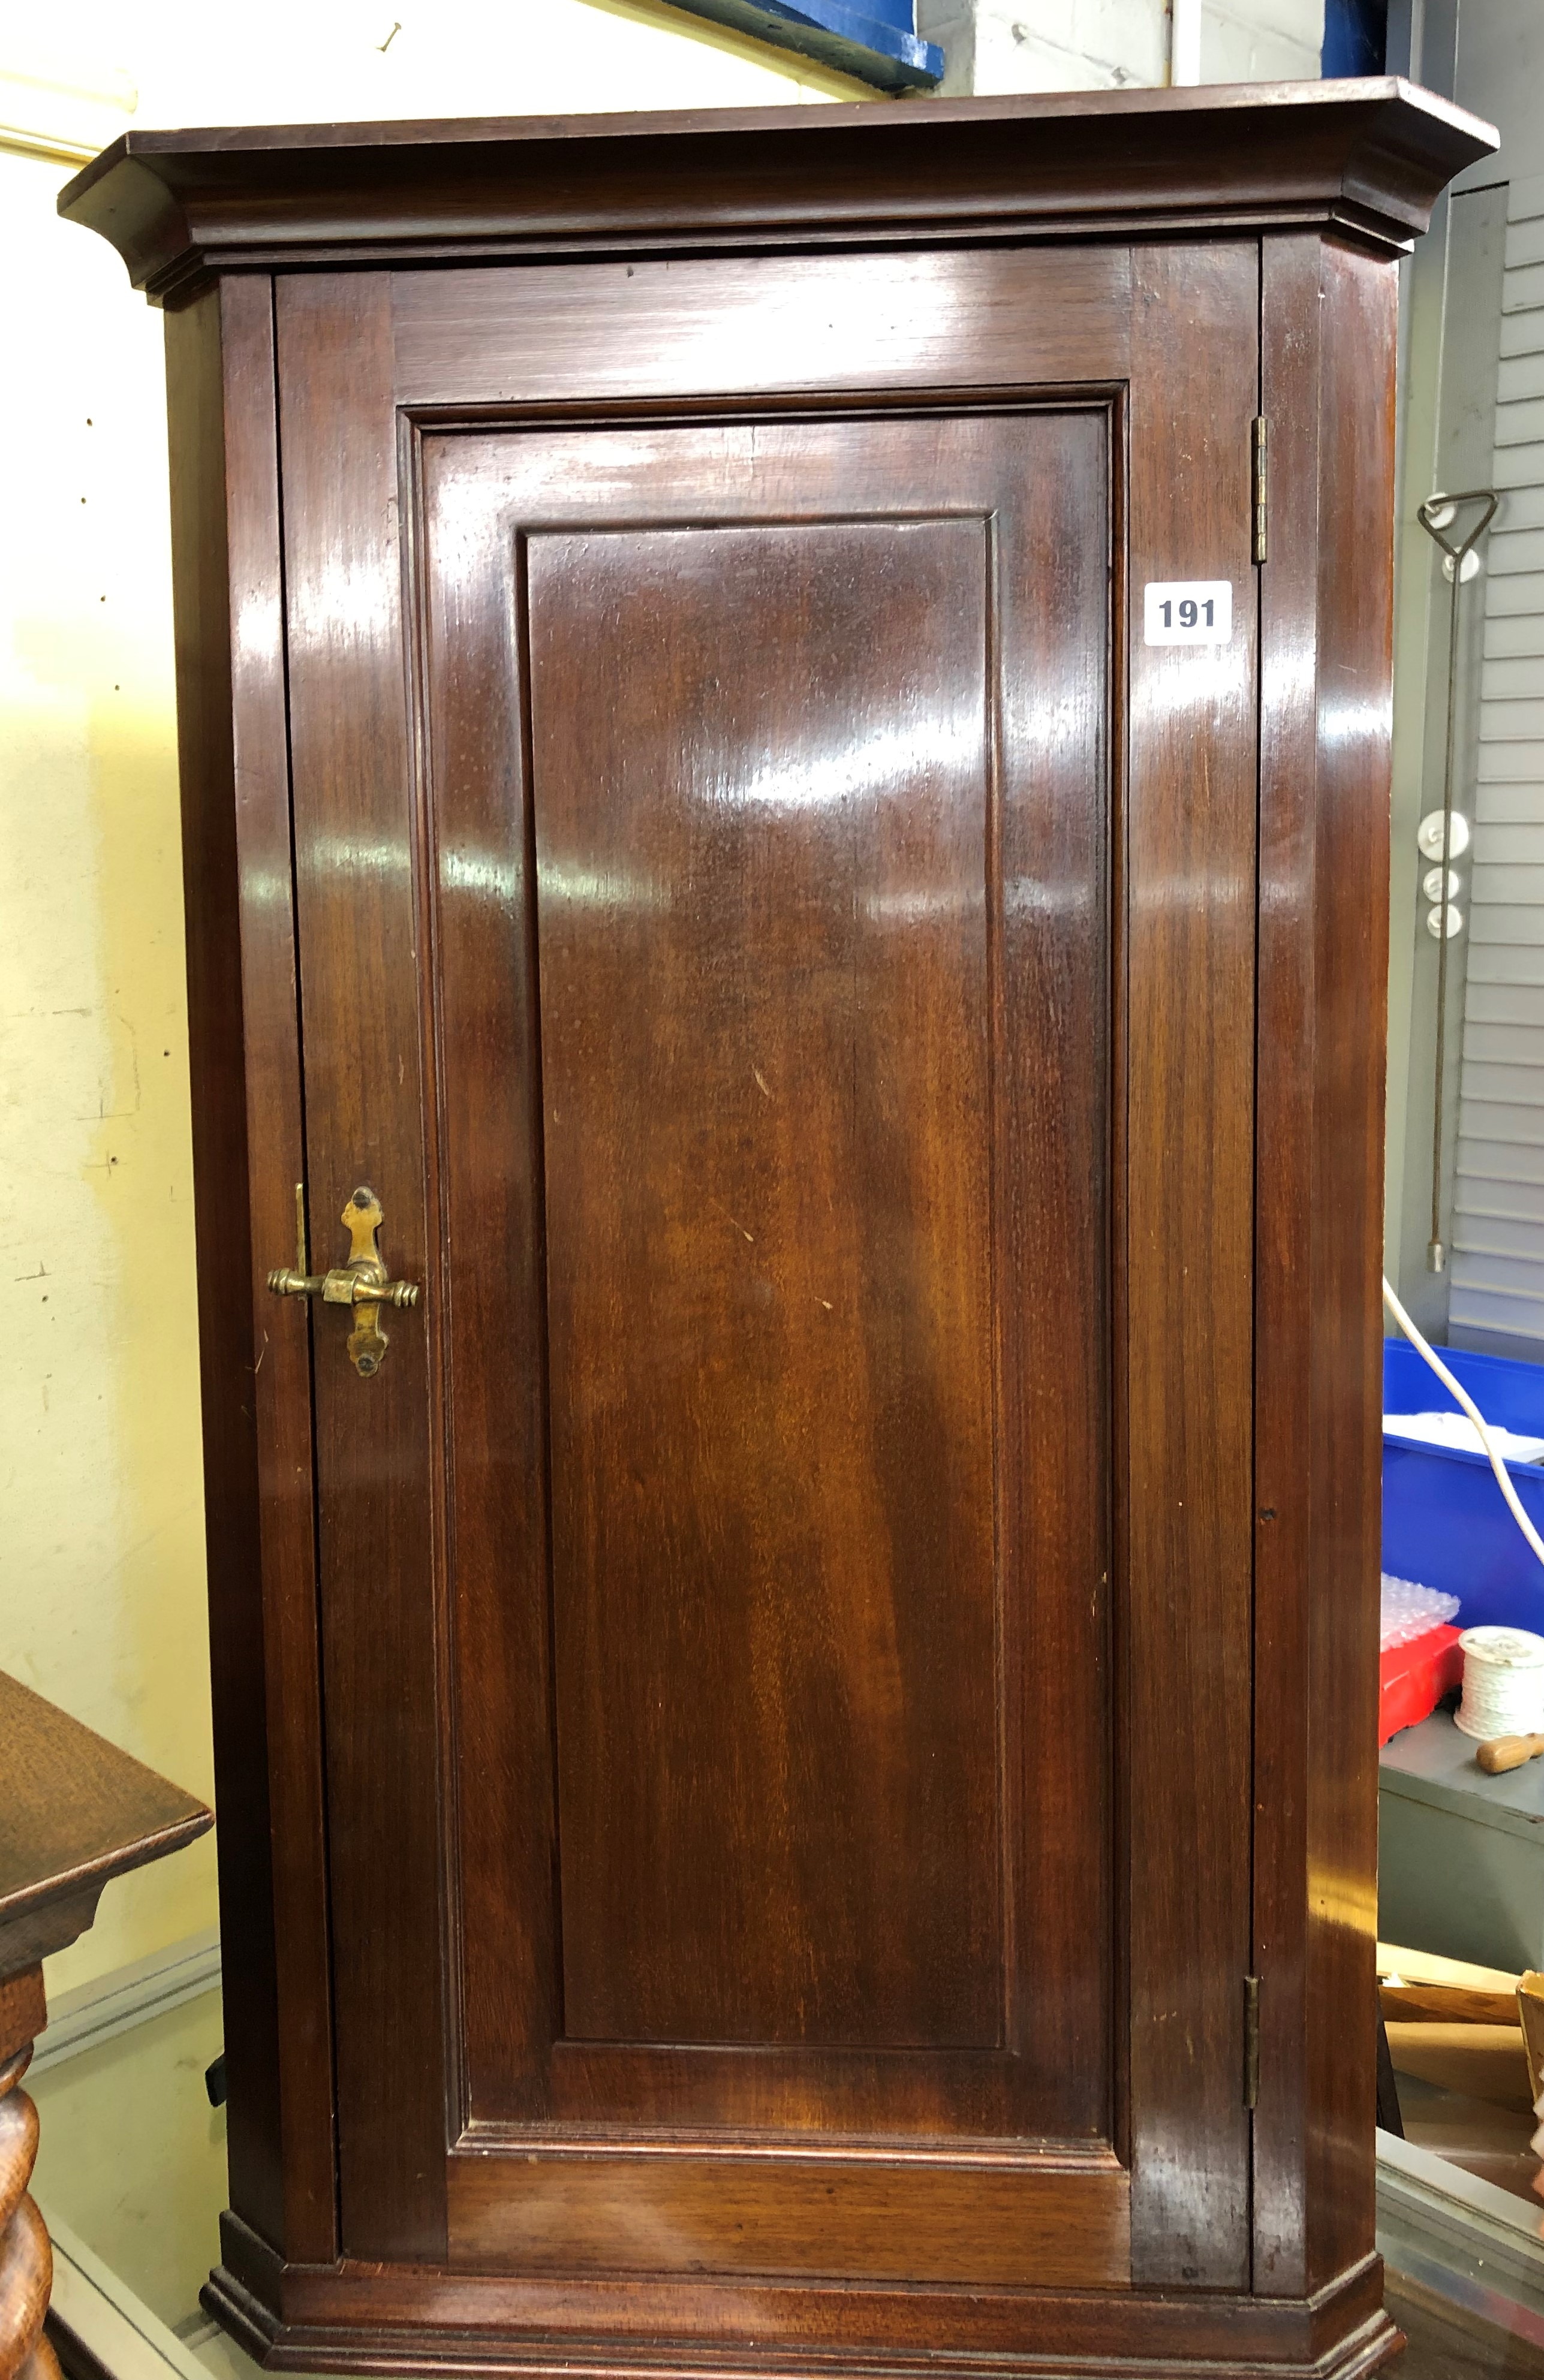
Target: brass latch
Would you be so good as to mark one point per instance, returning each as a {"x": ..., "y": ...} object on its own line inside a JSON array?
[{"x": 361, "y": 1283}]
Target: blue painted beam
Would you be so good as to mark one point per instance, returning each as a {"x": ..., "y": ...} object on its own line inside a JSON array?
[
  {"x": 1355, "y": 38},
  {"x": 875, "y": 44}
]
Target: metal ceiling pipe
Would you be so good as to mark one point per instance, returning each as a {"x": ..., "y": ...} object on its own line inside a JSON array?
[{"x": 1185, "y": 41}]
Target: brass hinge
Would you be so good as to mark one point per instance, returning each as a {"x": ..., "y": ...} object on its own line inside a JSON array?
[
  {"x": 1259, "y": 439},
  {"x": 1251, "y": 2041}
]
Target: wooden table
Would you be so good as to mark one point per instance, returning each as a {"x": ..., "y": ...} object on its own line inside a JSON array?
[{"x": 74, "y": 1813}]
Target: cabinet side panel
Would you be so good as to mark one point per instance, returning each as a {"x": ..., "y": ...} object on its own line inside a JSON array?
[
  {"x": 211, "y": 883},
  {"x": 1289, "y": 650},
  {"x": 1326, "y": 592},
  {"x": 1351, "y": 964}
]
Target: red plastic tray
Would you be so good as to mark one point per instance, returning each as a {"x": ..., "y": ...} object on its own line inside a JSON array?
[{"x": 1413, "y": 1679}]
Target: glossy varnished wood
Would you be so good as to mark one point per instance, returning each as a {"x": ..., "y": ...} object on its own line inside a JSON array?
[
  {"x": 1198, "y": 2127},
  {"x": 1324, "y": 793},
  {"x": 1289, "y": 723},
  {"x": 635, "y": 1670},
  {"x": 442, "y": 2320},
  {"x": 772, "y": 972},
  {"x": 1351, "y": 965},
  {"x": 366, "y": 1085},
  {"x": 1189, "y": 1099},
  {"x": 281, "y": 1384},
  {"x": 1368, "y": 155},
  {"x": 233, "y": 752},
  {"x": 829, "y": 2217},
  {"x": 26, "y": 2255},
  {"x": 768, "y": 1143},
  {"x": 74, "y": 1813},
  {"x": 23, "y": 2009},
  {"x": 566, "y": 338}
]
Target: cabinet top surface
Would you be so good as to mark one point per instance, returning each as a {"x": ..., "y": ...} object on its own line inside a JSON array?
[{"x": 1367, "y": 158}]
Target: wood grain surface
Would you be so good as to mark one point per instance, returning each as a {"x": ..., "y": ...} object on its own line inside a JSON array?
[
  {"x": 676, "y": 1799},
  {"x": 1368, "y": 156},
  {"x": 748, "y": 1734},
  {"x": 26, "y": 2255},
  {"x": 280, "y": 1396},
  {"x": 1032, "y": 2225},
  {"x": 75, "y": 1812},
  {"x": 1351, "y": 962},
  {"x": 1324, "y": 792},
  {"x": 768, "y": 1146},
  {"x": 764, "y": 329},
  {"x": 23, "y": 2011},
  {"x": 367, "y": 1085},
  {"x": 779, "y": 1499},
  {"x": 255, "y": 1358},
  {"x": 1189, "y": 1155},
  {"x": 542, "y": 2323}
]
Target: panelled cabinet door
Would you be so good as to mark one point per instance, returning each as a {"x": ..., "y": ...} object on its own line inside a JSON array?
[
  {"x": 777, "y": 942},
  {"x": 793, "y": 716}
]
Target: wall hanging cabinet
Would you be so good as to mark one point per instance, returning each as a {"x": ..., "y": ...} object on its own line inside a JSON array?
[{"x": 785, "y": 740}]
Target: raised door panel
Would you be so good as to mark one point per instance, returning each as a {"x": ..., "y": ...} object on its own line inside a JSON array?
[
  {"x": 760, "y": 902},
  {"x": 796, "y": 972}
]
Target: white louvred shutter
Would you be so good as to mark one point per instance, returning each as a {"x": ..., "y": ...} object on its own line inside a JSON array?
[{"x": 1498, "y": 1229}]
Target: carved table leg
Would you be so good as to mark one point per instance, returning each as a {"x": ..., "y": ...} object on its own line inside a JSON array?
[{"x": 25, "y": 2259}]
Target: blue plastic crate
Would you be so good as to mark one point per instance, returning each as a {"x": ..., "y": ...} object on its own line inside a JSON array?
[{"x": 1444, "y": 1521}]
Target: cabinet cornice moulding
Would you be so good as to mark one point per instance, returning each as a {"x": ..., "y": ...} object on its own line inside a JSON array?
[{"x": 1367, "y": 158}]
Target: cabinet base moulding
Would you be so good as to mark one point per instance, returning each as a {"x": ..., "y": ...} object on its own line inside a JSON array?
[{"x": 413, "y": 2320}]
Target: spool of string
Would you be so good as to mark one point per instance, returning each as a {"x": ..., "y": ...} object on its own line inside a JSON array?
[{"x": 1503, "y": 1682}]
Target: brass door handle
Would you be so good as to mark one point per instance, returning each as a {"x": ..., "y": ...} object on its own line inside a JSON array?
[{"x": 361, "y": 1283}]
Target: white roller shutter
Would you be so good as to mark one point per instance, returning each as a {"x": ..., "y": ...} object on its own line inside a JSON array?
[{"x": 1497, "y": 1227}]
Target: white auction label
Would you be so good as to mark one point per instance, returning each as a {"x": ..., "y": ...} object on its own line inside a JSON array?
[{"x": 1187, "y": 612}]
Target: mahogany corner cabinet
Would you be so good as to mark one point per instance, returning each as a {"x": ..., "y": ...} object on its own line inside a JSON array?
[{"x": 784, "y": 741}]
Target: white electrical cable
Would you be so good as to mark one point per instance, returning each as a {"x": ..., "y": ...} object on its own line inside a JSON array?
[{"x": 1503, "y": 1477}]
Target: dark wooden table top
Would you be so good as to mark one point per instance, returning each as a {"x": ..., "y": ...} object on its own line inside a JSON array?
[{"x": 75, "y": 1812}]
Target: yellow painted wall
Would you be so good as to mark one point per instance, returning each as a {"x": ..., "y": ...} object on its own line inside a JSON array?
[{"x": 102, "y": 1578}]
